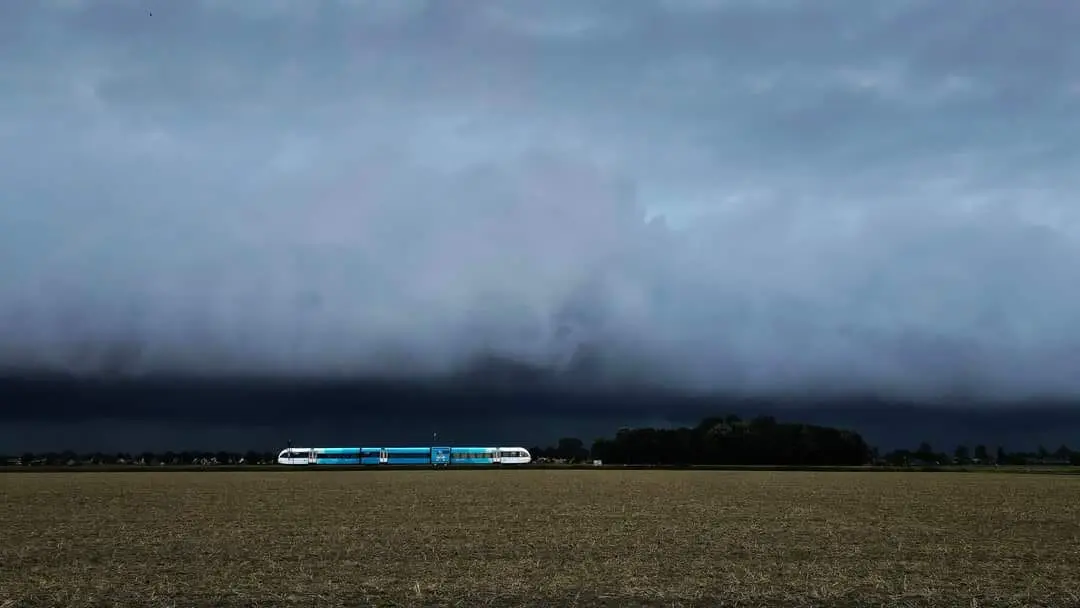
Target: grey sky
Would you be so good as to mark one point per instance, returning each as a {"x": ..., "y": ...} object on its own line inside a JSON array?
[{"x": 866, "y": 195}]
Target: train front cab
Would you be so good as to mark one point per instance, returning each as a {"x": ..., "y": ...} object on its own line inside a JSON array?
[
  {"x": 513, "y": 455},
  {"x": 297, "y": 456}
]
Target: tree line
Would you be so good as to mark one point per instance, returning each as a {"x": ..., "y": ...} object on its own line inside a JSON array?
[
  {"x": 726, "y": 440},
  {"x": 980, "y": 454},
  {"x": 71, "y": 458},
  {"x": 721, "y": 440}
]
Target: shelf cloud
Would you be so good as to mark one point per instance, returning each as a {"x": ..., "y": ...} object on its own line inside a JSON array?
[{"x": 747, "y": 197}]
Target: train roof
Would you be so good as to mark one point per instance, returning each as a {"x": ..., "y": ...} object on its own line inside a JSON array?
[{"x": 401, "y": 448}]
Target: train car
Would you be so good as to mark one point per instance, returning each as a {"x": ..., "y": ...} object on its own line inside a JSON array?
[{"x": 431, "y": 456}]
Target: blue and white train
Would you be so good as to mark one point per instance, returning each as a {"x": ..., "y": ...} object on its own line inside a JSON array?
[{"x": 432, "y": 456}]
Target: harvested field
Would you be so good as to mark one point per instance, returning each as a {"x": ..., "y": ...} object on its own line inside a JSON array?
[{"x": 506, "y": 538}]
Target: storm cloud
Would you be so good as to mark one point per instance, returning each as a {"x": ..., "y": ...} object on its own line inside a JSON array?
[{"x": 738, "y": 196}]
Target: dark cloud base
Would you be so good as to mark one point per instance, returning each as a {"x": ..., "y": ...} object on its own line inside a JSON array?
[{"x": 59, "y": 412}]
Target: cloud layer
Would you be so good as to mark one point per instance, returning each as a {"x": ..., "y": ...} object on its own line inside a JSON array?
[{"x": 737, "y": 195}]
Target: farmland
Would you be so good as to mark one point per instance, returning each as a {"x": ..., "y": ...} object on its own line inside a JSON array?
[{"x": 539, "y": 537}]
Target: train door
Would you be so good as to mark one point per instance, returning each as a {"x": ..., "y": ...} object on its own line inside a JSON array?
[
  {"x": 440, "y": 456},
  {"x": 496, "y": 457},
  {"x": 384, "y": 456},
  {"x": 311, "y": 457}
]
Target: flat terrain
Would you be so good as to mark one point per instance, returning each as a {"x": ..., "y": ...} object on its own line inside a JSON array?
[{"x": 536, "y": 537}]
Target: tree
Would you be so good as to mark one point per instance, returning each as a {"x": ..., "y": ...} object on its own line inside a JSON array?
[
  {"x": 925, "y": 452},
  {"x": 981, "y": 453},
  {"x": 571, "y": 449},
  {"x": 961, "y": 453}
]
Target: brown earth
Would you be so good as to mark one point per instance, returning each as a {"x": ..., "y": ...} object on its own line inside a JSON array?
[{"x": 543, "y": 538}]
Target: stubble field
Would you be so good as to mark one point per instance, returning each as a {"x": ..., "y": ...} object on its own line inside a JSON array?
[{"x": 543, "y": 538}]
